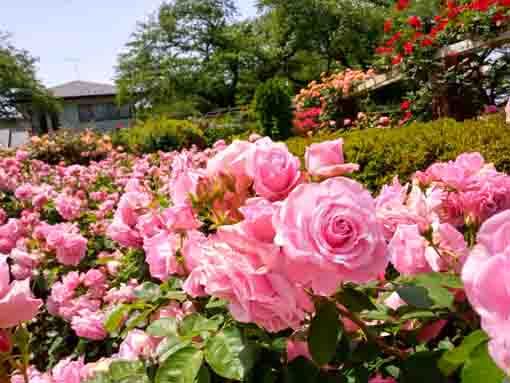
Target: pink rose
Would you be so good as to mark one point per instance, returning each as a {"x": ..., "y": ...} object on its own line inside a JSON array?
[
  {"x": 68, "y": 207},
  {"x": 407, "y": 251},
  {"x": 24, "y": 263},
  {"x": 88, "y": 324},
  {"x": 330, "y": 234},
  {"x": 160, "y": 254},
  {"x": 255, "y": 295},
  {"x": 254, "y": 137},
  {"x": 22, "y": 155},
  {"x": 24, "y": 192},
  {"x": 34, "y": 376},
  {"x": 326, "y": 159},
  {"x": 183, "y": 185},
  {"x": 17, "y": 303},
  {"x": 124, "y": 234},
  {"x": 137, "y": 345},
  {"x": 5, "y": 342},
  {"x": 296, "y": 349},
  {"x": 68, "y": 371},
  {"x": 9, "y": 235},
  {"x": 180, "y": 217},
  {"x": 394, "y": 301},
  {"x": 231, "y": 160},
  {"x": 499, "y": 350},
  {"x": 274, "y": 170},
  {"x": 494, "y": 234},
  {"x": 3, "y": 216},
  {"x": 70, "y": 245},
  {"x": 379, "y": 379}
]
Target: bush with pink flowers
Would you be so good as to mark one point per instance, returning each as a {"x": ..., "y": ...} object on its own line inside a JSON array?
[{"x": 237, "y": 263}]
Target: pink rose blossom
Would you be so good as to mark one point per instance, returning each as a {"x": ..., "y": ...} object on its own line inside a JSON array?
[
  {"x": 327, "y": 159},
  {"x": 274, "y": 169},
  {"x": 160, "y": 254},
  {"x": 407, "y": 251},
  {"x": 231, "y": 160},
  {"x": 394, "y": 301},
  {"x": 68, "y": 371},
  {"x": 89, "y": 325},
  {"x": 379, "y": 379},
  {"x": 137, "y": 345},
  {"x": 68, "y": 207},
  {"x": 5, "y": 342},
  {"x": 17, "y": 303},
  {"x": 330, "y": 234},
  {"x": 69, "y": 244},
  {"x": 296, "y": 349}
]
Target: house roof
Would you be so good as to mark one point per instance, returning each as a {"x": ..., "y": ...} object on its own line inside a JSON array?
[{"x": 77, "y": 89}]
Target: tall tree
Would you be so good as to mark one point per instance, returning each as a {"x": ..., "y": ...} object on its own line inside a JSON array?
[{"x": 20, "y": 91}]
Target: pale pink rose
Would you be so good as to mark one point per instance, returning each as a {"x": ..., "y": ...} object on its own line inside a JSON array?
[
  {"x": 258, "y": 215},
  {"x": 131, "y": 206},
  {"x": 255, "y": 295},
  {"x": 9, "y": 235},
  {"x": 34, "y": 376},
  {"x": 125, "y": 293},
  {"x": 175, "y": 310},
  {"x": 180, "y": 218},
  {"x": 150, "y": 224},
  {"x": 68, "y": 207},
  {"x": 274, "y": 170},
  {"x": 92, "y": 369},
  {"x": 160, "y": 254},
  {"x": 449, "y": 251},
  {"x": 231, "y": 160},
  {"x": 254, "y": 137},
  {"x": 24, "y": 192},
  {"x": 330, "y": 234},
  {"x": 69, "y": 244},
  {"x": 499, "y": 350},
  {"x": 124, "y": 234},
  {"x": 326, "y": 159},
  {"x": 494, "y": 234},
  {"x": 379, "y": 379},
  {"x": 296, "y": 349},
  {"x": 88, "y": 324},
  {"x": 220, "y": 145},
  {"x": 407, "y": 251},
  {"x": 17, "y": 303},
  {"x": 183, "y": 185},
  {"x": 394, "y": 301},
  {"x": 24, "y": 263},
  {"x": 22, "y": 155},
  {"x": 137, "y": 345},
  {"x": 68, "y": 371}
]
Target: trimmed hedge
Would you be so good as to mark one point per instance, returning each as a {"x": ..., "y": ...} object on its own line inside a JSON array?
[
  {"x": 160, "y": 133},
  {"x": 384, "y": 153}
]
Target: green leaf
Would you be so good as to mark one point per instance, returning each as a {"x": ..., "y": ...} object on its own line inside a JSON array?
[
  {"x": 120, "y": 371},
  {"x": 229, "y": 355},
  {"x": 181, "y": 367},
  {"x": 204, "y": 376},
  {"x": 216, "y": 303},
  {"x": 196, "y": 324},
  {"x": 301, "y": 370},
  {"x": 453, "y": 359},
  {"x": 148, "y": 291},
  {"x": 439, "y": 279},
  {"x": 416, "y": 296},
  {"x": 324, "y": 333},
  {"x": 115, "y": 317},
  {"x": 169, "y": 346},
  {"x": 355, "y": 300},
  {"x": 480, "y": 368},
  {"x": 163, "y": 327},
  {"x": 421, "y": 367}
]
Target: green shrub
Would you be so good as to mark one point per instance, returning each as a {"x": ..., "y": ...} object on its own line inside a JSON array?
[
  {"x": 385, "y": 153},
  {"x": 273, "y": 108},
  {"x": 160, "y": 133}
]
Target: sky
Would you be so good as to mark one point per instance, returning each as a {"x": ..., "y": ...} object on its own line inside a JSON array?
[{"x": 78, "y": 39}]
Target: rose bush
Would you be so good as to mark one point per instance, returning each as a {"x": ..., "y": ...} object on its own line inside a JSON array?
[{"x": 237, "y": 264}]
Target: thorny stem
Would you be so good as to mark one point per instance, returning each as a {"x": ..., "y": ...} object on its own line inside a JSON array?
[{"x": 370, "y": 336}]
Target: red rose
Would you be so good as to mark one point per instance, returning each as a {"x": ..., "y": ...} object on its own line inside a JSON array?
[
  {"x": 407, "y": 117},
  {"x": 504, "y": 3},
  {"x": 408, "y": 48},
  {"x": 406, "y": 104},
  {"x": 397, "y": 59},
  {"x": 402, "y": 4},
  {"x": 416, "y": 36},
  {"x": 414, "y": 21},
  {"x": 426, "y": 42},
  {"x": 388, "y": 26},
  {"x": 393, "y": 38}
]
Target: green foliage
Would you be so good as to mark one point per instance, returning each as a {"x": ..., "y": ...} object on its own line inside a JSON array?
[
  {"x": 273, "y": 106},
  {"x": 18, "y": 83},
  {"x": 160, "y": 133},
  {"x": 324, "y": 333},
  {"x": 386, "y": 153}
]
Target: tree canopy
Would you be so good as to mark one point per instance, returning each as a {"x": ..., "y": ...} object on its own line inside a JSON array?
[
  {"x": 200, "y": 52},
  {"x": 20, "y": 91}
]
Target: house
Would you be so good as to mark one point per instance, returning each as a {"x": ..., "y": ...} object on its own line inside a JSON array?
[{"x": 84, "y": 105}]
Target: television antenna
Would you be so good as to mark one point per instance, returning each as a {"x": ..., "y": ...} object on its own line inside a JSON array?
[{"x": 75, "y": 62}]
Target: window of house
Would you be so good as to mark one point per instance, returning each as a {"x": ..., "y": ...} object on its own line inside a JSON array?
[{"x": 102, "y": 112}]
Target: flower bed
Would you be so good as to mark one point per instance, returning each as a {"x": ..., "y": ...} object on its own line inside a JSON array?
[{"x": 234, "y": 264}]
